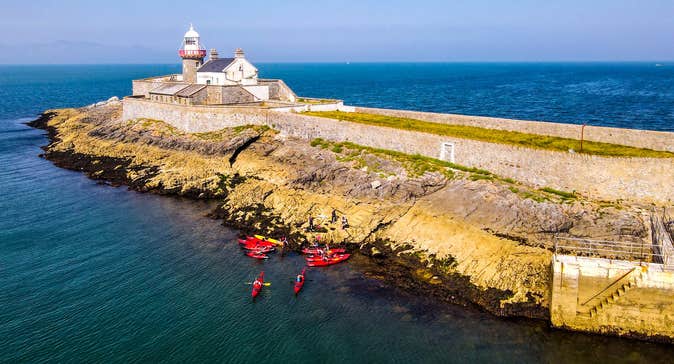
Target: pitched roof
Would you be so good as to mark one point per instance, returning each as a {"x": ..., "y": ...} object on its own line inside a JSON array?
[
  {"x": 216, "y": 65},
  {"x": 190, "y": 90},
  {"x": 169, "y": 89}
]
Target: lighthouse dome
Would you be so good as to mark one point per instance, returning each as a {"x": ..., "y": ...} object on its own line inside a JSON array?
[{"x": 191, "y": 33}]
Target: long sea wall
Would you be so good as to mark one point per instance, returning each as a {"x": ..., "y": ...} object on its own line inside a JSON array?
[
  {"x": 632, "y": 137},
  {"x": 638, "y": 179}
]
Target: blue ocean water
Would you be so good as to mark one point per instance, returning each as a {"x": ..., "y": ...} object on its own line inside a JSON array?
[{"x": 92, "y": 273}]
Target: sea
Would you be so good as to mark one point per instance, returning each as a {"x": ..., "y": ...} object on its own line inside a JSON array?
[{"x": 91, "y": 273}]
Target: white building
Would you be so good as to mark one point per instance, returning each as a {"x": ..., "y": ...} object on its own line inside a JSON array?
[
  {"x": 227, "y": 71},
  {"x": 230, "y": 72},
  {"x": 219, "y": 81}
]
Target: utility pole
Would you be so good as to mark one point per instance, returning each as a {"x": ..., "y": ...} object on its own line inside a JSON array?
[{"x": 582, "y": 136}]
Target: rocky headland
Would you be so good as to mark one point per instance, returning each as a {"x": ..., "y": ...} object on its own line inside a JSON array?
[{"x": 463, "y": 235}]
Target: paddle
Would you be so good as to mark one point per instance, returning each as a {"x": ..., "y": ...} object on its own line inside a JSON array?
[{"x": 266, "y": 284}]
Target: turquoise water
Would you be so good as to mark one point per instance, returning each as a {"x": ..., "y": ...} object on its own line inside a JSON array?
[{"x": 92, "y": 273}]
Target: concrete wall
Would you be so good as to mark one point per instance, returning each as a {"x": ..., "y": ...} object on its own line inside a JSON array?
[
  {"x": 632, "y": 137},
  {"x": 642, "y": 179},
  {"x": 278, "y": 90},
  {"x": 646, "y": 309},
  {"x": 261, "y": 92}
]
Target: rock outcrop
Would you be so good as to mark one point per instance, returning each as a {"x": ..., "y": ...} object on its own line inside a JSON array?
[{"x": 469, "y": 237}]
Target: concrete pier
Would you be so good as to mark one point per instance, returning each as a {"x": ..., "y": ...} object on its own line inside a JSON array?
[{"x": 613, "y": 296}]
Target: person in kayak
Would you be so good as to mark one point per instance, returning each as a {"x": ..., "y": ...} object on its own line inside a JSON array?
[
  {"x": 299, "y": 278},
  {"x": 257, "y": 283}
]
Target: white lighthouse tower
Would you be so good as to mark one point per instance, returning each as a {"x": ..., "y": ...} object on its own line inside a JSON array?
[{"x": 192, "y": 53}]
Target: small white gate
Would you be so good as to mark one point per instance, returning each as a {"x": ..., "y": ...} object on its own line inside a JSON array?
[{"x": 447, "y": 152}]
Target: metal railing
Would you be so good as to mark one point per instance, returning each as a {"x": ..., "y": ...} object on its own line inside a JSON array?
[
  {"x": 662, "y": 240},
  {"x": 631, "y": 251}
]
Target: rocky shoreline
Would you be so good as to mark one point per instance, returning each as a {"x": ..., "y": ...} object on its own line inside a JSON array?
[{"x": 462, "y": 239}]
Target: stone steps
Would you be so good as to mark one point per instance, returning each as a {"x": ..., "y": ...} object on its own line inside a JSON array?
[{"x": 625, "y": 284}]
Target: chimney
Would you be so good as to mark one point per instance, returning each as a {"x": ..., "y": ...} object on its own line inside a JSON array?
[
  {"x": 214, "y": 53},
  {"x": 238, "y": 53}
]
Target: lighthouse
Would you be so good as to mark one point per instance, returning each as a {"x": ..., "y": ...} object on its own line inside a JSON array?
[{"x": 192, "y": 53}]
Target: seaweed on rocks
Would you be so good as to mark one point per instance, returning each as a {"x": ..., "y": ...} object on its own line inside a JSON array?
[
  {"x": 257, "y": 219},
  {"x": 429, "y": 276}
]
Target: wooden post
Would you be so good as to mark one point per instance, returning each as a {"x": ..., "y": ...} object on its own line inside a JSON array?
[{"x": 582, "y": 136}]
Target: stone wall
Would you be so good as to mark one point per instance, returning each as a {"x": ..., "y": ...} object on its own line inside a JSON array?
[
  {"x": 632, "y": 137},
  {"x": 236, "y": 95},
  {"x": 198, "y": 98},
  {"x": 142, "y": 87},
  {"x": 214, "y": 94},
  {"x": 640, "y": 179}
]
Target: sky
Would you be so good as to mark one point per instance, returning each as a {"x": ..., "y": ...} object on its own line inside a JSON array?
[{"x": 147, "y": 31}]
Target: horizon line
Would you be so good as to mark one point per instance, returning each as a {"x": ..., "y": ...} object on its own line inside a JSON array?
[{"x": 342, "y": 62}]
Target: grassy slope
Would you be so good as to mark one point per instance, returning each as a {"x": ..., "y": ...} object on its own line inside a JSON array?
[{"x": 495, "y": 136}]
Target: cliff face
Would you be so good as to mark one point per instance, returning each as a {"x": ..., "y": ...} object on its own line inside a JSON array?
[{"x": 465, "y": 236}]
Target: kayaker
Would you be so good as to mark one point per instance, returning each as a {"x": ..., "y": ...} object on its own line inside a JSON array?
[
  {"x": 284, "y": 245},
  {"x": 257, "y": 283},
  {"x": 299, "y": 278}
]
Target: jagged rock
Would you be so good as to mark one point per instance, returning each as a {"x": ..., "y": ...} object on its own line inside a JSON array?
[{"x": 485, "y": 242}]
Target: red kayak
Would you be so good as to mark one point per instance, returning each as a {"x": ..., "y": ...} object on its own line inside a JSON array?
[
  {"x": 329, "y": 261},
  {"x": 257, "y": 255},
  {"x": 255, "y": 241},
  {"x": 314, "y": 258},
  {"x": 299, "y": 281},
  {"x": 259, "y": 248},
  {"x": 257, "y": 284},
  {"x": 321, "y": 251}
]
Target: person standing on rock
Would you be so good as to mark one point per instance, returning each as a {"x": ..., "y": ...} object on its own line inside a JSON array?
[
  {"x": 334, "y": 216},
  {"x": 311, "y": 223},
  {"x": 345, "y": 222}
]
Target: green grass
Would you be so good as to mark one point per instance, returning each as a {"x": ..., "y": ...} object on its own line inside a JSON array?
[
  {"x": 562, "y": 194},
  {"x": 415, "y": 164},
  {"x": 495, "y": 136},
  {"x": 477, "y": 177},
  {"x": 228, "y": 132},
  {"x": 305, "y": 100}
]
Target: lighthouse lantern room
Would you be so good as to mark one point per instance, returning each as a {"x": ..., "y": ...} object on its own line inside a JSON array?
[{"x": 192, "y": 53}]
